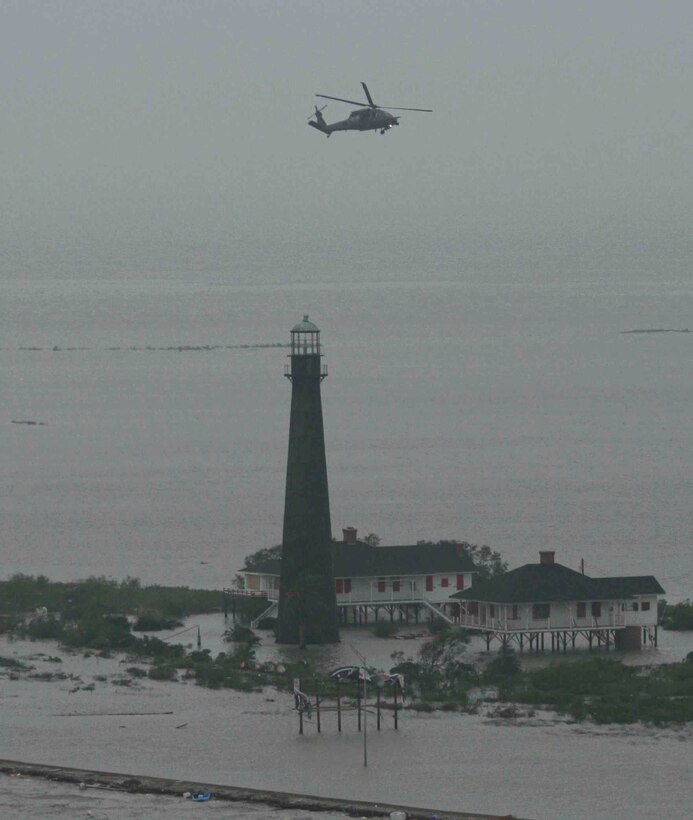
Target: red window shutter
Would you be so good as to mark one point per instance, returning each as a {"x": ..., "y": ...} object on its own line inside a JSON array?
[
  {"x": 347, "y": 585},
  {"x": 381, "y": 586},
  {"x": 460, "y": 582},
  {"x": 429, "y": 583},
  {"x": 339, "y": 585}
]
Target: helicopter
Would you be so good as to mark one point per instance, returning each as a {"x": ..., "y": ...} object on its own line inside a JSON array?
[{"x": 372, "y": 118}]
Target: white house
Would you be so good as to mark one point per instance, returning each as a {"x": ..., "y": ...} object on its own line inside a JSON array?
[
  {"x": 527, "y": 603},
  {"x": 368, "y": 579}
]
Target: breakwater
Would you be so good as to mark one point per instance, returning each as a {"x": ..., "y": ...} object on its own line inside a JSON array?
[{"x": 141, "y": 784}]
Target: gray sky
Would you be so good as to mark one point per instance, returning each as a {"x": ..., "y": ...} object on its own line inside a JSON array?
[{"x": 188, "y": 119}]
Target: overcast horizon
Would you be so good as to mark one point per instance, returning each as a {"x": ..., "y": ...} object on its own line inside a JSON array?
[{"x": 553, "y": 124}]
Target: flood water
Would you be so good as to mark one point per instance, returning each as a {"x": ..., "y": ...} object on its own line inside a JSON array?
[
  {"x": 494, "y": 400},
  {"x": 439, "y": 761}
]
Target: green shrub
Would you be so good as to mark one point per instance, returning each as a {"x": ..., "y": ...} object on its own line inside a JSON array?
[
  {"x": 678, "y": 616},
  {"x": 43, "y": 629},
  {"x": 163, "y": 672},
  {"x": 501, "y": 670},
  {"x": 12, "y": 663},
  {"x": 385, "y": 629},
  {"x": 241, "y": 634},
  {"x": 438, "y": 626}
]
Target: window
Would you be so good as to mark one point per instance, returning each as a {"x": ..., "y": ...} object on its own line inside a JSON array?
[
  {"x": 395, "y": 585},
  {"x": 429, "y": 583},
  {"x": 541, "y": 612},
  {"x": 347, "y": 585},
  {"x": 596, "y": 609},
  {"x": 381, "y": 585},
  {"x": 460, "y": 582},
  {"x": 339, "y": 586},
  {"x": 645, "y": 606},
  {"x": 444, "y": 582},
  {"x": 515, "y": 612},
  {"x": 472, "y": 608},
  {"x": 581, "y": 609},
  {"x": 492, "y": 611},
  {"x": 635, "y": 606}
]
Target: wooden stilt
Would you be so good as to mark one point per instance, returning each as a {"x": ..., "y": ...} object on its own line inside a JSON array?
[{"x": 358, "y": 706}]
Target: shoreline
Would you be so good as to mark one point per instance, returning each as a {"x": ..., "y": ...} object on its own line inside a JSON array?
[{"x": 144, "y": 784}]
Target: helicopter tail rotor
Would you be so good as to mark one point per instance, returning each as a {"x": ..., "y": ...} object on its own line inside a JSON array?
[{"x": 318, "y": 115}]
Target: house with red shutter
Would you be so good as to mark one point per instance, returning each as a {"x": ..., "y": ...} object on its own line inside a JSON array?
[{"x": 407, "y": 582}]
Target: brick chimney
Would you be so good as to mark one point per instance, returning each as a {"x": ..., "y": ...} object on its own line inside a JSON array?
[
  {"x": 349, "y": 535},
  {"x": 546, "y": 557}
]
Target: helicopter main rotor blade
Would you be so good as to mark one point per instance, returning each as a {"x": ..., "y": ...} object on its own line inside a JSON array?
[
  {"x": 368, "y": 95},
  {"x": 395, "y": 108},
  {"x": 341, "y": 99}
]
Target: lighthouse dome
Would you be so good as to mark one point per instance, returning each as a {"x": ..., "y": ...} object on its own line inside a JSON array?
[{"x": 306, "y": 326}]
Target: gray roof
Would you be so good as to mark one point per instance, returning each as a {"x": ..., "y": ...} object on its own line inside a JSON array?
[
  {"x": 542, "y": 583},
  {"x": 360, "y": 560},
  {"x": 306, "y": 326}
]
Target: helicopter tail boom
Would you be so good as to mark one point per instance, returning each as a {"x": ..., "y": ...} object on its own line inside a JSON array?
[{"x": 321, "y": 126}]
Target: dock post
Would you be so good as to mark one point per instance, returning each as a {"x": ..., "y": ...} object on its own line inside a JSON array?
[
  {"x": 339, "y": 708},
  {"x": 317, "y": 704},
  {"x": 377, "y": 707},
  {"x": 358, "y": 705}
]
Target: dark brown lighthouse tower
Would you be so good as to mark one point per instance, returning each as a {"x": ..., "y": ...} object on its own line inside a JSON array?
[{"x": 307, "y": 601}]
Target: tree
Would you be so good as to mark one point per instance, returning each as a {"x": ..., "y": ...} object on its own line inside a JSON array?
[
  {"x": 488, "y": 562},
  {"x": 258, "y": 559}
]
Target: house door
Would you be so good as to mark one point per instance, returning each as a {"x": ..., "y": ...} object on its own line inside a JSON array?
[{"x": 482, "y": 614}]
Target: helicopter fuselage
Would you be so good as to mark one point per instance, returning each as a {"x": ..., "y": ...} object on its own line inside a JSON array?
[{"x": 364, "y": 119}]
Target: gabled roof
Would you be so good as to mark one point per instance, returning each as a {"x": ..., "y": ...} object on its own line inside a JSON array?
[
  {"x": 358, "y": 560},
  {"x": 543, "y": 583}
]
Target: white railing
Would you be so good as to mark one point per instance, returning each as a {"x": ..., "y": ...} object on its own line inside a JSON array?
[
  {"x": 359, "y": 596},
  {"x": 248, "y": 593},
  {"x": 614, "y": 619}
]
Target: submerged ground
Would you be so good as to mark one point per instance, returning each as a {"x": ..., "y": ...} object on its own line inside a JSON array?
[{"x": 531, "y": 766}]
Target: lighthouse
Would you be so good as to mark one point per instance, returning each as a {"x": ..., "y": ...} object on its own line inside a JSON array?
[{"x": 307, "y": 601}]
